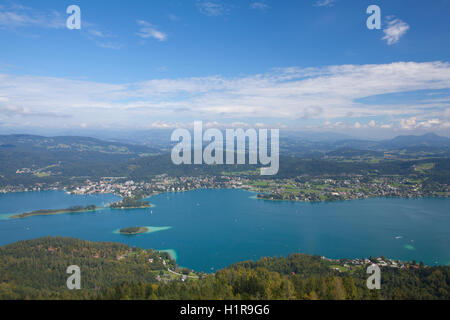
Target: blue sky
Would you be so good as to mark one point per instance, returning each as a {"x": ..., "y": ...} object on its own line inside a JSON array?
[{"x": 306, "y": 65}]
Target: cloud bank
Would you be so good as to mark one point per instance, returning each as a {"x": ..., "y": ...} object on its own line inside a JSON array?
[{"x": 326, "y": 95}]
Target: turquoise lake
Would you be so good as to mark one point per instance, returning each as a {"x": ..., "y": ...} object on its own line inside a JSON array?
[{"x": 210, "y": 229}]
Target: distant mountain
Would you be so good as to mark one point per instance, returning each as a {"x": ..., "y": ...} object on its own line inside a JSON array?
[
  {"x": 30, "y": 143},
  {"x": 54, "y": 157},
  {"x": 349, "y": 153},
  {"x": 82, "y": 156},
  {"x": 426, "y": 140},
  {"x": 428, "y": 143},
  {"x": 356, "y": 144}
]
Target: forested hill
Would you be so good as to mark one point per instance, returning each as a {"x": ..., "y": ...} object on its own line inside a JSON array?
[
  {"x": 56, "y": 158},
  {"x": 29, "y": 160},
  {"x": 33, "y": 143},
  {"x": 36, "y": 269}
]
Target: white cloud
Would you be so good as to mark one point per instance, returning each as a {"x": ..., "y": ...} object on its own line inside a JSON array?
[
  {"x": 395, "y": 30},
  {"x": 148, "y": 31},
  {"x": 173, "y": 17},
  {"x": 414, "y": 123},
  {"x": 110, "y": 45},
  {"x": 286, "y": 95},
  {"x": 259, "y": 6},
  {"x": 97, "y": 33},
  {"x": 14, "y": 110},
  {"x": 408, "y": 123},
  {"x": 16, "y": 16},
  {"x": 324, "y": 3},
  {"x": 211, "y": 8},
  {"x": 357, "y": 125}
]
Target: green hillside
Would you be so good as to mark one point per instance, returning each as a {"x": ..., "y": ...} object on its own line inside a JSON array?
[{"x": 35, "y": 269}]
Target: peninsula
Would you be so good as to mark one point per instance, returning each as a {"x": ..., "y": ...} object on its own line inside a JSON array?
[{"x": 46, "y": 212}]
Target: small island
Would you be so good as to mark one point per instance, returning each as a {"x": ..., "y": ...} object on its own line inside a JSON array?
[
  {"x": 46, "y": 212},
  {"x": 133, "y": 230},
  {"x": 130, "y": 203}
]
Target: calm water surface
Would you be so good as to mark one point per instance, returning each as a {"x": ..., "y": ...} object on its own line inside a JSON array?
[{"x": 211, "y": 229}]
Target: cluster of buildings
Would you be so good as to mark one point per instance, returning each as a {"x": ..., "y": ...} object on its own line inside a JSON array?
[
  {"x": 158, "y": 184},
  {"x": 299, "y": 189},
  {"x": 326, "y": 189},
  {"x": 36, "y": 187},
  {"x": 380, "y": 261},
  {"x": 40, "y": 172}
]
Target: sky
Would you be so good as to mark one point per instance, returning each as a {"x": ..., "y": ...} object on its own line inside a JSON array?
[{"x": 309, "y": 65}]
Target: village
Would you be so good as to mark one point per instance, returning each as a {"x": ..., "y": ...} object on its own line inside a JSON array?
[
  {"x": 344, "y": 265},
  {"x": 302, "y": 188}
]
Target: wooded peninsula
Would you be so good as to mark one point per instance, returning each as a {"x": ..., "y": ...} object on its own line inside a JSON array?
[{"x": 46, "y": 212}]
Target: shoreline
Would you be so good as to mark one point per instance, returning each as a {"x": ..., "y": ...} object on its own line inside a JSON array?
[
  {"x": 56, "y": 212},
  {"x": 243, "y": 189},
  {"x": 125, "y": 208},
  {"x": 351, "y": 199}
]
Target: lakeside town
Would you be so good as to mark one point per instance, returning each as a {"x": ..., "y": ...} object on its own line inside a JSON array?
[
  {"x": 302, "y": 188},
  {"x": 344, "y": 265}
]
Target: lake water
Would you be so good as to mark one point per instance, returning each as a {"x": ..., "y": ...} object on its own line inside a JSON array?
[{"x": 210, "y": 229}]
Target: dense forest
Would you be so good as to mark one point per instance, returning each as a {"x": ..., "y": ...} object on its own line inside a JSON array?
[{"x": 36, "y": 269}]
